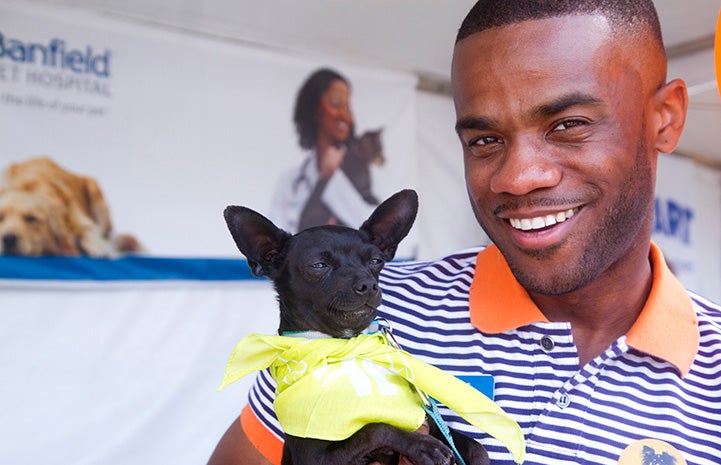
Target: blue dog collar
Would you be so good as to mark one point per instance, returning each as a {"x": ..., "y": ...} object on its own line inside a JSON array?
[{"x": 373, "y": 328}]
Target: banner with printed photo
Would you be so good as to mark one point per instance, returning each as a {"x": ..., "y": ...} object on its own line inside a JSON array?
[{"x": 174, "y": 127}]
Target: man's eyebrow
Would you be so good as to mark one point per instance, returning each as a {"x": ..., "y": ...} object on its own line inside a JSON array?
[
  {"x": 551, "y": 108},
  {"x": 473, "y": 122},
  {"x": 565, "y": 102}
]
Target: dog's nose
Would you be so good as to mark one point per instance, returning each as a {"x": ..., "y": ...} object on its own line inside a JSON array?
[
  {"x": 10, "y": 242},
  {"x": 366, "y": 287}
]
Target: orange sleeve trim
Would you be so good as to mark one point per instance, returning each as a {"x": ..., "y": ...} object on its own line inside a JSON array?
[
  {"x": 261, "y": 437},
  {"x": 717, "y": 52}
]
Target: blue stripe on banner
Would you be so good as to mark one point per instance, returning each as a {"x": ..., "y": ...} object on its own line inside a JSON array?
[{"x": 129, "y": 268}]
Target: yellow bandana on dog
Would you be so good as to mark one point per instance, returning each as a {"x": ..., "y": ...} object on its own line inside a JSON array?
[{"x": 329, "y": 388}]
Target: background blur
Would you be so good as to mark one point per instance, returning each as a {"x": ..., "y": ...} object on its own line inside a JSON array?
[{"x": 188, "y": 109}]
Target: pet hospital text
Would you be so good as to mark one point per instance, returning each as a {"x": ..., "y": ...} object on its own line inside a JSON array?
[{"x": 56, "y": 54}]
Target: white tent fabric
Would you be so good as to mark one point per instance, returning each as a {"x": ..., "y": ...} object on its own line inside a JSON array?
[{"x": 121, "y": 372}]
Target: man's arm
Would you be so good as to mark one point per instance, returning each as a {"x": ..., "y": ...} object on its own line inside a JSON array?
[{"x": 234, "y": 448}]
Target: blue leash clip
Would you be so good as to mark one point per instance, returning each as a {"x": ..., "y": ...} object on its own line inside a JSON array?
[{"x": 435, "y": 415}]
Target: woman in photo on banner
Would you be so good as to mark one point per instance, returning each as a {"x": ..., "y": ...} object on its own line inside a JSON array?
[{"x": 333, "y": 183}]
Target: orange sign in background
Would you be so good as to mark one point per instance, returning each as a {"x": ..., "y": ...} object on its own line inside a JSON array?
[{"x": 717, "y": 53}]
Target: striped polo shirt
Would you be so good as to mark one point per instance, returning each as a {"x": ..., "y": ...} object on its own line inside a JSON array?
[{"x": 661, "y": 381}]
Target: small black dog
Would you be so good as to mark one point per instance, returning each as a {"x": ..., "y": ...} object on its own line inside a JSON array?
[{"x": 326, "y": 278}]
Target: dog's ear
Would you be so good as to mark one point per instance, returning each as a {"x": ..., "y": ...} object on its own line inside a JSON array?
[
  {"x": 95, "y": 205},
  {"x": 257, "y": 238},
  {"x": 392, "y": 220},
  {"x": 61, "y": 240}
]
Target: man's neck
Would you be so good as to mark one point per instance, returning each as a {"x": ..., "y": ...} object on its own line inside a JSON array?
[{"x": 603, "y": 310}]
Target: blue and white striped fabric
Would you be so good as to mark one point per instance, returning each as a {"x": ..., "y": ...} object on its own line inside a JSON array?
[{"x": 568, "y": 416}]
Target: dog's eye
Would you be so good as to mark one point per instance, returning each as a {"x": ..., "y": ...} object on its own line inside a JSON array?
[
  {"x": 29, "y": 218},
  {"x": 375, "y": 261},
  {"x": 319, "y": 265},
  {"x": 2, "y": 217}
]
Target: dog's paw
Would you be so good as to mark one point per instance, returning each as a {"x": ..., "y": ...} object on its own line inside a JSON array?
[
  {"x": 427, "y": 450},
  {"x": 127, "y": 243},
  {"x": 94, "y": 245}
]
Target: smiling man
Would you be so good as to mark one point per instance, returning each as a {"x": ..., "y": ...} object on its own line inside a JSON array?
[
  {"x": 593, "y": 345},
  {"x": 560, "y": 132}
]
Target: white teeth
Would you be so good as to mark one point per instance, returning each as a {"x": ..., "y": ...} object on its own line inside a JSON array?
[{"x": 539, "y": 222}]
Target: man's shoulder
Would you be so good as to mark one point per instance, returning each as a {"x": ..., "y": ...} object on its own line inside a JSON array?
[
  {"x": 460, "y": 261},
  {"x": 421, "y": 292},
  {"x": 707, "y": 310}
]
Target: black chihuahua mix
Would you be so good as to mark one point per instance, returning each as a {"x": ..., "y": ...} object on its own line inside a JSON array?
[{"x": 326, "y": 278}]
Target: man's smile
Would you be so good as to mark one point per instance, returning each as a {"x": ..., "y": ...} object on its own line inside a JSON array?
[{"x": 543, "y": 221}]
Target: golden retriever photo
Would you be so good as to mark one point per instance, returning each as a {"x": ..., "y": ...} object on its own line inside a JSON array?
[{"x": 46, "y": 210}]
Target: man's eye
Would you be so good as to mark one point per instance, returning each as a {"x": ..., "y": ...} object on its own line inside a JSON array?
[
  {"x": 569, "y": 124},
  {"x": 483, "y": 146},
  {"x": 484, "y": 140}
]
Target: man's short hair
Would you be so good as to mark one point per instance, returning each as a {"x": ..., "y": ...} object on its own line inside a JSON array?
[{"x": 627, "y": 16}]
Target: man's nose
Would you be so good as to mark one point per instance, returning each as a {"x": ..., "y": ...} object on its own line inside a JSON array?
[{"x": 526, "y": 166}]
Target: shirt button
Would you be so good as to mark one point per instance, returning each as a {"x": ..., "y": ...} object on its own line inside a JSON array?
[
  {"x": 564, "y": 400},
  {"x": 547, "y": 343}
]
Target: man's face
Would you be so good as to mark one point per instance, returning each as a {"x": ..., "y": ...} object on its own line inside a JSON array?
[{"x": 559, "y": 168}]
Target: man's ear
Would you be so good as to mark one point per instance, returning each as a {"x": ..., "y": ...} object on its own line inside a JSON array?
[{"x": 671, "y": 106}]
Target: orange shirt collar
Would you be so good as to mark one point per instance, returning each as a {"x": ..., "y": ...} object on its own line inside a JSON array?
[{"x": 666, "y": 328}]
